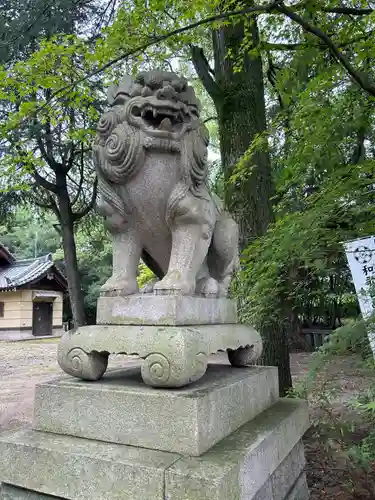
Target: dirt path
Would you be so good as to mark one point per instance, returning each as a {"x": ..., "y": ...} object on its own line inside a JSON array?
[{"x": 22, "y": 366}]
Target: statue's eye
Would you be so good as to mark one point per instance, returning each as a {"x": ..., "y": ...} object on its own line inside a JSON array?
[{"x": 146, "y": 91}]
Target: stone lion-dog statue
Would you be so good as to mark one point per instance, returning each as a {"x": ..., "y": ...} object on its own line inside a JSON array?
[{"x": 150, "y": 155}]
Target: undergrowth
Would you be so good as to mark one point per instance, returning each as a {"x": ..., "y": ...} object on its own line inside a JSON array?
[{"x": 353, "y": 436}]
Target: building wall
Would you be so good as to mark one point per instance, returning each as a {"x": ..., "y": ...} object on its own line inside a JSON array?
[
  {"x": 12, "y": 309},
  {"x": 18, "y": 313}
]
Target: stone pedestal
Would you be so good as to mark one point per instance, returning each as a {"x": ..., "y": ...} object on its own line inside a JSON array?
[
  {"x": 164, "y": 331},
  {"x": 188, "y": 421},
  {"x": 207, "y": 432},
  {"x": 228, "y": 437}
]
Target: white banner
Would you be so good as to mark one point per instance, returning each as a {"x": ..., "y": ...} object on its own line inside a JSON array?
[{"x": 361, "y": 259}]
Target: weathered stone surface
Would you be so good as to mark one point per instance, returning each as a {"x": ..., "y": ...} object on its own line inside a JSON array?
[
  {"x": 120, "y": 408},
  {"x": 144, "y": 309},
  {"x": 8, "y": 492},
  {"x": 284, "y": 480},
  {"x": 265, "y": 493},
  {"x": 241, "y": 464},
  {"x": 173, "y": 356},
  {"x": 294, "y": 484},
  {"x": 300, "y": 490},
  {"x": 81, "y": 469},
  {"x": 287, "y": 472},
  {"x": 150, "y": 153}
]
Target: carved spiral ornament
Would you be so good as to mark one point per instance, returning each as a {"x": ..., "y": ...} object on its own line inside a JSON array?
[
  {"x": 116, "y": 146},
  {"x": 156, "y": 370},
  {"x": 86, "y": 366},
  {"x": 123, "y": 154},
  {"x": 107, "y": 123}
]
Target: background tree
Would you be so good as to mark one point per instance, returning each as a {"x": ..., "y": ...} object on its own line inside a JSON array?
[
  {"x": 318, "y": 59},
  {"x": 49, "y": 153}
]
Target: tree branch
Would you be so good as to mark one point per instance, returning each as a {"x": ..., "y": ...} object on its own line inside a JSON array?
[
  {"x": 358, "y": 76},
  {"x": 204, "y": 71},
  {"x": 273, "y": 7},
  {"x": 320, "y": 45},
  {"x": 160, "y": 38},
  {"x": 81, "y": 178},
  {"x": 50, "y": 161},
  {"x": 38, "y": 201},
  {"x": 209, "y": 119},
  {"x": 47, "y": 206},
  {"x": 41, "y": 181},
  {"x": 79, "y": 215},
  {"x": 350, "y": 11}
]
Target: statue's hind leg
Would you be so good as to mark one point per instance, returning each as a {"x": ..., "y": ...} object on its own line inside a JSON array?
[{"x": 223, "y": 259}]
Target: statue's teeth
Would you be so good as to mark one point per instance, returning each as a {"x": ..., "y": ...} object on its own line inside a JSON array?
[{"x": 166, "y": 124}]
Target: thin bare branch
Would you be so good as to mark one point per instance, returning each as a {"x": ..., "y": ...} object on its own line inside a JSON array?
[
  {"x": 209, "y": 119},
  {"x": 350, "y": 11},
  {"x": 81, "y": 177},
  {"x": 79, "y": 215}
]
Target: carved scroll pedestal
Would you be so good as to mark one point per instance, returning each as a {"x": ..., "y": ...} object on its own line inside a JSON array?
[
  {"x": 171, "y": 427},
  {"x": 164, "y": 332}
]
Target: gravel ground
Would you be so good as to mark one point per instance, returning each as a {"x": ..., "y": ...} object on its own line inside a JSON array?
[{"x": 22, "y": 366}]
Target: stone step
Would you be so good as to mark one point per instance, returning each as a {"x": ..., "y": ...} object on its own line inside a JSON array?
[
  {"x": 249, "y": 464},
  {"x": 120, "y": 408}
]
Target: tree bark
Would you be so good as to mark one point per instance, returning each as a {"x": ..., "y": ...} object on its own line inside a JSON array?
[
  {"x": 70, "y": 253},
  {"x": 239, "y": 100},
  {"x": 242, "y": 115}
]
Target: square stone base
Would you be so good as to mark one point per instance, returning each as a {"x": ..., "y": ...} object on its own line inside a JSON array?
[
  {"x": 172, "y": 310},
  {"x": 120, "y": 408},
  {"x": 263, "y": 460}
]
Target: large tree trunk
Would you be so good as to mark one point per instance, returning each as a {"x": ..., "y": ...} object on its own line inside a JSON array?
[
  {"x": 239, "y": 100},
  {"x": 70, "y": 254},
  {"x": 242, "y": 115}
]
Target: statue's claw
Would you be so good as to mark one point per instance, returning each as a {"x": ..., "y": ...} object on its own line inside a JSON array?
[
  {"x": 174, "y": 283},
  {"x": 119, "y": 286}
]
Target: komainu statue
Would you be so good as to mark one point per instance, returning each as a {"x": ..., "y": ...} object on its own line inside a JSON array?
[{"x": 151, "y": 159}]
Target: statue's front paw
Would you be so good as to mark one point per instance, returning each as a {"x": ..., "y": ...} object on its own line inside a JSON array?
[
  {"x": 208, "y": 287},
  {"x": 119, "y": 286},
  {"x": 174, "y": 283}
]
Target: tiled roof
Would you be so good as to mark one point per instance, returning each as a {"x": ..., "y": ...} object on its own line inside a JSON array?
[{"x": 26, "y": 271}]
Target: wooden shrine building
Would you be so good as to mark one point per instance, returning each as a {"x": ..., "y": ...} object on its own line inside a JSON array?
[{"x": 31, "y": 297}]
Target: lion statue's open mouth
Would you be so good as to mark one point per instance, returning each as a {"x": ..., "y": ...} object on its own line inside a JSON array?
[{"x": 160, "y": 118}]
